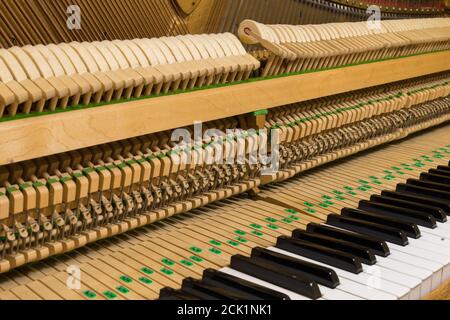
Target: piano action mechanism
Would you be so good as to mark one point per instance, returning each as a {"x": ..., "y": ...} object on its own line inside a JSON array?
[{"x": 135, "y": 151}]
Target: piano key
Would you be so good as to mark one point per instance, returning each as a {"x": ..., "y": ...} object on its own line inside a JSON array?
[
  {"x": 388, "y": 234},
  {"x": 424, "y": 276},
  {"x": 258, "y": 292},
  {"x": 442, "y": 204},
  {"x": 414, "y": 249},
  {"x": 436, "y": 212},
  {"x": 435, "y": 240},
  {"x": 435, "y": 177},
  {"x": 171, "y": 294},
  {"x": 244, "y": 276},
  {"x": 428, "y": 254},
  {"x": 364, "y": 254},
  {"x": 440, "y": 172},
  {"x": 440, "y": 232},
  {"x": 210, "y": 291},
  {"x": 399, "y": 213},
  {"x": 327, "y": 293},
  {"x": 356, "y": 284},
  {"x": 424, "y": 192},
  {"x": 409, "y": 228},
  {"x": 324, "y": 276},
  {"x": 435, "y": 267},
  {"x": 282, "y": 277},
  {"x": 378, "y": 246},
  {"x": 444, "y": 168},
  {"x": 320, "y": 253},
  {"x": 430, "y": 185}
]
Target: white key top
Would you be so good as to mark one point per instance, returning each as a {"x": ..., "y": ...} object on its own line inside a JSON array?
[
  {"x": 410, "y": 255},
  {"x": 436, "y": 232},
  {"x": 436, "y": 240},
  {"x": 292, "y": 295},
  {"x": 327, "y": 293},
  {"x": 349, "y": 285},
  {"x": 371, "y": 277},
  {"x": 444, "y": 226},
  {"x": 436, "y": 253},
  {"x": 424, "y": 275}
]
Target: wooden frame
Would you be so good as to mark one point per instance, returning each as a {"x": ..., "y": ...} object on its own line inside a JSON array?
[{"x": 51, "y": 134}]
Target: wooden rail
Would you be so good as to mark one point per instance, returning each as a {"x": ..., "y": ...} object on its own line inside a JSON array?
[{"x": 39, "y": 136}]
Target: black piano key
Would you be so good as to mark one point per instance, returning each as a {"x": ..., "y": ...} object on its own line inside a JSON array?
[
  {"x": 276, "y": 275},
  {"x": 320, "y": 253},
  {"x": 423, "y": 191},
  {"x": 256, "y": 292},
  {"x": 439, "y": 172},
  {"x": 211, "y": 292},
  {"x": 378, "y": 246},
  {"x": 389, "y": 234},
  {"x": 438, "y": 203},
  {"x": 436, "y": 212},
  {"x": 364, "y": 254},
  {"x": 436, "y": 177},
  {"x": 172, "y": 294},
  {"x": 431, "y": 185},
  {"x": 410, "y": 229},
  {"x": 445, "y": 168},
  {"x": 398, "y": 213},
  {"x": 322, "y": 275}
]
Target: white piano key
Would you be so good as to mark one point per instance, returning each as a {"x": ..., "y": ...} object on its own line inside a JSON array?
[
  {"x": 436, "y": 232},
  {"x": 424, "y": 275},
  {"x": 350, "y": 282},
  {"x": 292, "y": 295},
  {"x": 444, "y": 226},
  {"x": 430, "y": 252},
  {"x": 436, "y": 240},
  {"x": 432, "y": 266}
]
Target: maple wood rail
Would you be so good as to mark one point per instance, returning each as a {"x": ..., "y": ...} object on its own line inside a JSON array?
[{"x": 34, "y": 137}]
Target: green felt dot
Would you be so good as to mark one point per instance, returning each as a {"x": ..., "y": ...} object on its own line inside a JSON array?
[
  {"x": 186, "y": 263},
  {"x": 311, "y": 210},
  {"x": 240, "y": 232},
  {"x": 309, "y": 204},
  {"x": 340, "y": 198},
  {"x": 256, "y": 226},
  {"x": 168, "y": 262},
  {"x": 233, "y": 243},
  {"x": 196, "y": 250},
  {"x": 215, "y": 243},
  {"x": 167, "y": 271},
  {"x": 110, "y": 295},
  {"x": 126, "y": 279},
  {"x": 240, "y": 239},
  {"x": 272, "y": 226},
  {"x": 215, "y": 251},
  {"x": 147, "y": 280},
  {"x": 257, "y": 233},
  {"x": 89, "y": 294},
  {"x": 147, "y": 270},
  {"x": 286, "y": 220},
  {"x": 294, "y": 218},
  {"x": 292, "y": 211},
  {"x": 123, "y": 290},
  {"x": 196, "y": 259},
  {"x": 271, "y": 220}
]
